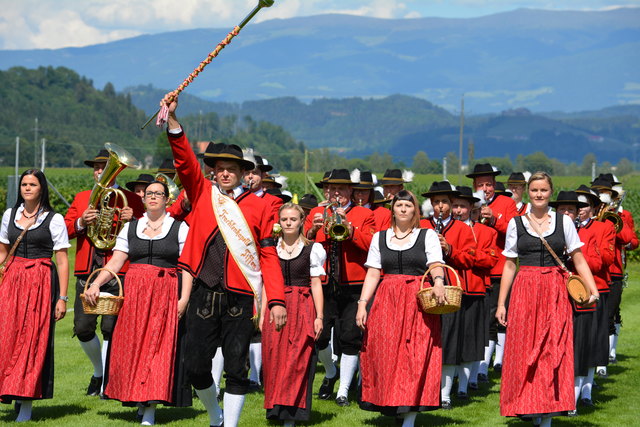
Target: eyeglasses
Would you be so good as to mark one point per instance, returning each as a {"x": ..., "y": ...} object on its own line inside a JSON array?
[{"x": 150, "y": 194}]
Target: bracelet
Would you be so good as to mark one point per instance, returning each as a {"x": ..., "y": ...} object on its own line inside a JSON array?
[
  {"x": 63, "y": 298},
  {"x": 596, "y": 297},
  {"x": 363, "y": 300},
  {"x": 438, "y": 277}
]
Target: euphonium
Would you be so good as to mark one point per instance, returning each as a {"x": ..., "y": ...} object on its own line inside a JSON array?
[
  {"x": 104, "y": 231},
  {"x": 174, "y": 190},
  {"x": 333, "y": 226},
  {"x": 609, "y": 212}
]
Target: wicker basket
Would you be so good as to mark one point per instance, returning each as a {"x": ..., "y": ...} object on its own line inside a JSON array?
[
  {"x": 428, "y": 303},
  {"x": 108, "y": 305}
]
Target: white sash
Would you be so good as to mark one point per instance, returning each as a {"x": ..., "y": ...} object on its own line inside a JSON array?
[{"x": 239, "y": 239}]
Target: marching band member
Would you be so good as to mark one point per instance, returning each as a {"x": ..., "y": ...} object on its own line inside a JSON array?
[
  {"x": 345, "y": 275},
  {"x": 180, "y": 208},
  {"x": 139, "y": 184},
  {"x": 308, "y": 202},
  {"x": 79, "y": 216},
  {"x": 364, "y": 195},
  {"x": 477, "y": 279},
  {"x": 517, "y": 184},
  {"x": 145, "y": 359},
  {"x": 289, "y": 361},
  {"x": 393, "y": 181},
  {"x": 221, "y": 306},
  {"x": 462, "y": 331},
  {"x": 538, "y": 377},
  {"x": 33, "y": 293},
  {"x": 401, "y": 353},
  {"x": 496, "y": 213}
]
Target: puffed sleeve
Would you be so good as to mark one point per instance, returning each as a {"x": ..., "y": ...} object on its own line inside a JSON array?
[
  {"x": 318, "y": 257},
  {"x": 432, "y": 247},
  {"x": 4, "y": 228},
  {"x": 122, "y": 241},
  {"x": 511, "y": 240},
  {"x": 571, "y": 238},
  {"x": 183, "y": 231},
  {"x": 373, "y": 257},
  {"x": 58, "y": 230}
]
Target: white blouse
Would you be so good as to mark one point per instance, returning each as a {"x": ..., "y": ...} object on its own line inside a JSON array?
[
  {"x": 431, "y": 247},
  {"x": 571, "y": 239},
  {"x": 318, "y": 257},
  {"x": 122, "y": 242},
  {"x": 57, "y": 227}
]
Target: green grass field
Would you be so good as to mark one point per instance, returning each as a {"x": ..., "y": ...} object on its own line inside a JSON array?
[{"x": 614, "y": 400}]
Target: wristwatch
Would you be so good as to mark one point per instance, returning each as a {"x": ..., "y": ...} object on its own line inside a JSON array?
[{"x": 64, "y": 298}]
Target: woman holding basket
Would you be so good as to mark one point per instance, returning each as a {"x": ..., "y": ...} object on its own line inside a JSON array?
[
  {"x": 33, "y": 293},
  {"x": 537, "y": 375},
  {"x": 401, "y": 357},
  {"x": 144, "y": 362}
]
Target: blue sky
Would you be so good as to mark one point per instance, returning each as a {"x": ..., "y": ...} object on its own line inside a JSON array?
[{"x": 31, "y": 24}]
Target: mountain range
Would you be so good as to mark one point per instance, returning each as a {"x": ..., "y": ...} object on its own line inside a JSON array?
[{"x": 541, "y": 60}]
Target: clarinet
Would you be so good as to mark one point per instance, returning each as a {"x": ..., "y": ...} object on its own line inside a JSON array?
[
  {"x": 334, "y": 265},
  {"x": 439, "y": 224}
]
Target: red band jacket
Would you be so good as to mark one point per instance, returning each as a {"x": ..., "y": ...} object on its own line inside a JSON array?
[
  {"x": 504, "y": 208},
  {"x": 478, "y": 278},
  {"x": 626, "y": 239},
  {"x": 204, "y": 227},
  {"x": 382, "y": 217},
  {"x": 605, "y": 236}
]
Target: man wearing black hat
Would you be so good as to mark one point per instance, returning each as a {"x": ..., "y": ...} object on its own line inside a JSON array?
[
  {"x": 516, "y": 184},
  {"x": 139, "y": 184},
  {"x": 88, "y": 258},
  {"x": 308, "y": 202},
  {"x": 230, "y": 253},
  {"x": 363, "y": 195},
  {"x": 393, "y": 181},
  {"x": 345, "y": 276},
  {"x": 496, "y": 213},
  {"x": 253, "y": 180}
]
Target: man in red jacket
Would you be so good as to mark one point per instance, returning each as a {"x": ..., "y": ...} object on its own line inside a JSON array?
[
  {"x": 229, "y": 251},
  {"x": 496, "y": 213},
  {"x": 79, "y": 216},
  {"x": 345, "y": 274},
  {"x": 364, "y": 195}
]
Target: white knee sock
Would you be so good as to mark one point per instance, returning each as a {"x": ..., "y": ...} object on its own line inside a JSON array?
[
  {"x": 105, "y": 349},
  {"x": 613, "y": 341},
  {"x": 149, "y": 415},
  {"x": 475, "y": 369},
  {"x": 348, "y": 367},
  {"x": 334, "y": 356},
  {"x": 209, "y": 399},
  {"x": 587, "y": 386},
  {"x": 499, "y": 349},
  {"x": 217, "y": 366},
  {"x": 464, "y": 373},
  {"x": 92, "y": 350},
  {"x": 233, "y": 404},
  {"x": 447, "y": 382},
  {"x": 545, "y": 422},
  {"x": 488, "y": 352},
  {"x": 255, "y": 361},
  {"x": 577, "y": 386},
  {"x": 409, "y": 419},
  {"x": 325, "y": 357},
  {"x": 25, "y": 411}
]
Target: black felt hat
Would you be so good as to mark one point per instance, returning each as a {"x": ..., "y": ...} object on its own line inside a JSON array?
[
  {"x": 365, "y": 182},
  {"x": 466, "y": 193},
  {"x": 501, "y": 189},
  {"x": 229, "y": 152},
  {"x": 308, "y": 201},
  {"x": 483, "y": 169},
  {"x": 271, "y": 180},
  {"x": 608, "y": 177},
  {"x": 568, "y": 198},
  {"x": 517, "y": 178},
  {"x": 441, "y": 187},
  {"x": 392, "y": 177},
  {"x": 339, "y": 176},
  {"x": 167, "y": 166},
  {"x": 378, "y": 198},
  {"x": 143, "y": 178},
  {"x": 590, "y": 194},
  {"x": 102, "y": 157},
  {"x": 601, "y": 183},
  {"x": 262, "y": 164},
  {"x": 276, "y": 192},
  {"x": 320, "y": 183}
]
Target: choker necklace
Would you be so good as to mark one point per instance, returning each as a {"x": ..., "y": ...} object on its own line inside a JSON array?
[
  {"x": 403, "y": 237},
  {"x": 24, "y": 214},
  {"x": 294, "y": 247},
  {"x": 156, "y": 228}
]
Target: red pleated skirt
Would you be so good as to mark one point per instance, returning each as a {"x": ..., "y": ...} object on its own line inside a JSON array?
[
  {"x": 25, "y": 330},
  {"x": 287, "y": 355},
  {"x": 401, "y": 357},
  {"x": 537, "y": 370},
  {"x": 143, "y": 346}
]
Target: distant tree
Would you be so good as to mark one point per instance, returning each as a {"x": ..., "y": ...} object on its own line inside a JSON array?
[
  {"x": 421, "y": 163},
  {"x": 109, "y": 90},
  {"x": 380, "y": 162},
  {"x": 587, "y": 161},
  {"x": 453, "y": 163},
  {"x": 502, "y": 163},
  {"x": 538, "y": 161},
  {"x": 624, "y": 167}
]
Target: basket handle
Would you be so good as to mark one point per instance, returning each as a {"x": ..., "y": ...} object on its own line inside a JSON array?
[
  {"x": 86, "y": 284},
  {"x": 438, "y": 264}
]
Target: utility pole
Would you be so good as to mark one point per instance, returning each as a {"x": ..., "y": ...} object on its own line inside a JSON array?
[
  {"x": 35, "y": 144},
  {"x": 306, "y": 170},
  {"x": 42, "y": 159},
  {"x": 17, "y": 170},
  {"x": 461, "y": 138}
]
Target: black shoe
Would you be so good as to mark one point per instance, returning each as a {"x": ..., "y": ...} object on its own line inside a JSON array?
[
  {"x": 16, "y": 406},
  {"x": 463, "y": 395},
  {"x": 613, "y": 360},
  {"x": 473, "y": 386},
  {"x": 446, "y": 404},
  {"x": 342, "y": 401},
  {"x": 602, "y": 373},
  {"x": 326, "y": 389},
  {"x": 483, "y": 378},
  {"x": 253, "y": 387},
  {"x": 498, "y": 368},
  {"x": 94, "y": 386},
  {"x": 586, "y": 402}
]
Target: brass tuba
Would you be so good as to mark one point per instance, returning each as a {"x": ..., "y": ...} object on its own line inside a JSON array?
[
  {"x": 333, "y": 226},
  {"x": 609, "y": 212},
  {"x": 174, "y": 190},
  {"x": 104, "y": 231}
]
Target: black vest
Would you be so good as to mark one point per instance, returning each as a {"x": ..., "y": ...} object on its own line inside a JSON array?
[
  {"x": 531, "y": 250},
  {"x": 36, "y": 243},
  {"x": 411, "y": 261},
  {"x": 296, "y": 270},
  {"x": 160, "y": 252}
]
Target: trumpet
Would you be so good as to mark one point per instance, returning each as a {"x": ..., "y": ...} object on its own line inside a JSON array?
[
  {"x": 174, "y": 190},
  {"x": 334, "y": 228},
  {"x": 104, "y": 231}
]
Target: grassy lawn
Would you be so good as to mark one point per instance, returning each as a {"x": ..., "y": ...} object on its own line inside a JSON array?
[{"x": 70, "y": 406}]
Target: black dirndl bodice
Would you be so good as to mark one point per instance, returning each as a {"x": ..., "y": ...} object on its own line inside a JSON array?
[
  {"x": 158, "y": 252},
  {"x": 37, "y": 241},
  {"x": 411, "y": 261},
  {"x": 296, "y": 270}
]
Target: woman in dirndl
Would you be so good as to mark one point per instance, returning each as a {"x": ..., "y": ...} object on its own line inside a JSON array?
[
  {"x": 538, "y": 366},
  {"x": 33, "y": 293},
  {"x": 144, "y": 365},
  {"x": 401, "y": 356},
  {"x": 288, "y": 360}
]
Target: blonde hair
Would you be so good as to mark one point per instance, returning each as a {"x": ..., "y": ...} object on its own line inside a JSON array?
[
  {"x": 410, "y": 197},
  {"x": 539, "y": 176},
  {"x": 298, "y": 209}
]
